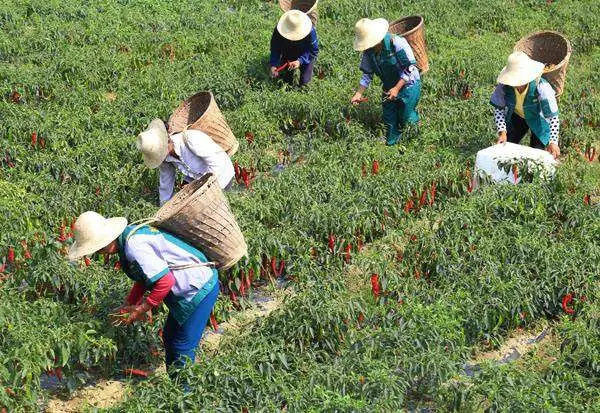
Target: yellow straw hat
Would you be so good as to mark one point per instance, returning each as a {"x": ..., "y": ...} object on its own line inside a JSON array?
[
  {"x": 93, "y": 232},
  {"x": 153, "y": 143},
  {"x": 294, "y": 25},
  {"x": 369, "y": 32},
  {"x": 520, "y": 70}
]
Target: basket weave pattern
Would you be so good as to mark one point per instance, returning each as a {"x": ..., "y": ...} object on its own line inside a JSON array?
[
  {"x": 202, "y": 113},
  {"x": 200, "y": 215},
  {"x": 307, "y": 6},
  {"x": 550, "y": 48},
  {"x": 412, "y": 28}
]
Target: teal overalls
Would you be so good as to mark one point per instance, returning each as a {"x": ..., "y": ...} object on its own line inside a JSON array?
[{"x": 388, "y": 65}]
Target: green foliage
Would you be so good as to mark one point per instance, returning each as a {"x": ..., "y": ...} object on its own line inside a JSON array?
[{"x": 458, "y": 271}]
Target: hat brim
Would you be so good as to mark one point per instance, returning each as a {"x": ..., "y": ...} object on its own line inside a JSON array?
[
  {"x": 379, "y": 30},
  {"x": 516, "y": 78},
  {"x": 298, "y": 34},
  {"x": 154, "y": 160},
  {"x": 113, "y": 228}
]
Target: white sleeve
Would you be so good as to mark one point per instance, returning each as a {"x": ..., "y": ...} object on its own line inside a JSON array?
[
  {"x": 166, "y": 182},
  {"x": 200, "y": 143},
  {"x": 220, "y": 165}
]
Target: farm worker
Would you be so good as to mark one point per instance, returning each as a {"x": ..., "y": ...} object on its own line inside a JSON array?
[
  {"x": 192, "y": 152},
  {"x": 167, "y": 267},
  {"x": 294, "y": 42},
  {"x": 391, "y": 58},
  {"x": 524, "y": 101}
]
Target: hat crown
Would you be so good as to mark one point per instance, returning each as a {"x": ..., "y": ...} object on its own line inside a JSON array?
[
  {"x": 87, "y": 225},
  {"x": 294, "y": 19},
  {"x": 294, "y": 25},
  {"x": 361, "y": 28},
  {"x": 518, "y": 60},
  {"x": 153, "y": 143}
]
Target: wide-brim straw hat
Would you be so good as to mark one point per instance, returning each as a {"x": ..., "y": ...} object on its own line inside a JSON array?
[
  {"x": 369, "y": 33},
  {"x": 520, "y": 70},
  {"x": 294, "y": 25},
  {"x": 153, "y": 143},
  {"x": 93, "y": 232}
]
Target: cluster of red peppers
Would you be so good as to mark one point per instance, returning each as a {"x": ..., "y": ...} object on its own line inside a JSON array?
[
  {"x": 374, "y": 168},
  {"x": 416, "y": 202},
  {"x": 244, "y": 176},
  {"x": 567, "y": 300},
  {"x": 37, "y": 141},
  {"x": 7, "y": 160}
]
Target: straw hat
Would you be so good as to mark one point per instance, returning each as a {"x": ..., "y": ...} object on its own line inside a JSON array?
[
  {"x": 294, "y": 25},
  {"x": 369, "y": 32},
  {"x": 93, "y": 232},
  {"x": 153, "y": 143},
  {"x": 520, "y": 70}
]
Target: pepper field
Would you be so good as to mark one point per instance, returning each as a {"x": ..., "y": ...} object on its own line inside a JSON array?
[{"x": 398, "y": 274}]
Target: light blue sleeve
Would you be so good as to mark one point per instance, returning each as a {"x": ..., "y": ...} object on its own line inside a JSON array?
[{"x": 367, "y": 68}]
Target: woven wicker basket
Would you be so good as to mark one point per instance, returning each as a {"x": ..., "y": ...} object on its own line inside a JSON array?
[
  {"x": 200, "y": 215},
  {"x": 412, "y": 28},
  {"x": 550, "y": 48},
  {"x": 202, "y": 113},
  {"x": 307, "y": 6}
]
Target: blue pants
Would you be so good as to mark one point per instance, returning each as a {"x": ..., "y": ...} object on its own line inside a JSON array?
[
  {"x": 181, "y": 341},
  {"x": 400, "y": 111}
]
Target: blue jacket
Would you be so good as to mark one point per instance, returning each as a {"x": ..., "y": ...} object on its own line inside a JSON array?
[{"x": 284, "y": 50}]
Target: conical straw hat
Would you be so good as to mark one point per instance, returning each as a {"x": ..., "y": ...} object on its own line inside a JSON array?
[
  {"x": 153, "y": 143},
  {"x": 369, "y": 32},
  {"x": 93, "y": 232},
  {"x": 520, "y": 70},
  {"x": 294, "y": 25}
]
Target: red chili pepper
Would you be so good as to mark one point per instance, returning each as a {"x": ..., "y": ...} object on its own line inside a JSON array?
[
  {"x": 423, "y": 199},
  {"x": 87, "y": 261},
  {"x": 282, "y": 67},
  {"x": 274, "y": 266},
  {"x": 11, "y": 255},
  {"x": 27, "y": 255},
  {"x": 10, "y": 392},
  {"x": 348, "y": 253},
  {"x": 243, "y": 284},
  {"x": 233, "y": 297},
  {"x": 238, "y": 172},
  {"x": 58, "y": 372},
  {"x": 245, "y": 178},
  {"x": 281, "y": 268},
  {"x": 250, "y": 278},
  {"x": 117, "y": 266},
  {"x": 136, "y": 372},
  {"x": 42, "y": 142},
  {"x": 375, "y": 287},
  {"x": 213, "y": 322},
  {"x": 332, "y": 243},
  {"x": 413, "y": 238},
  {"x": 566, "y": 300},
  {"x": 160, "y": 333},
  {"x": 2, "y": 267},
  {"x": 34, "y": 139},
  {"x": 375, "y": 169},
  {"x": 409, "y": 206},
  {"x": 433, "y": 193},
  {"x": 361, "y": 318},
  {"x": 62, "y": 237},
  {"x": 586, "y": 199}
]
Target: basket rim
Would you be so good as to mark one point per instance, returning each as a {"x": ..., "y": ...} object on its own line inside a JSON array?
[
  {"x": 565, "y": 59},
  {"x": 190, "y": 99},
  {"x": 414, "y": 29},
  {"x": 200, "y": 182}
]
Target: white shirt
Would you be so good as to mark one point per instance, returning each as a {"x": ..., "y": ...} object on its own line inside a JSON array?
[{"x": 200, "y": 156}]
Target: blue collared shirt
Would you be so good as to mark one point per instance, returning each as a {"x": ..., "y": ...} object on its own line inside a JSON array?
[{"x": 284, "y": 50}]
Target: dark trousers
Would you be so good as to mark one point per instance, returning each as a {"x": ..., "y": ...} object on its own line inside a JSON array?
[
  {"x": 181, "y": 341},
  {"x": 306, "y": 74},
  {"x": 517, "y": 128}
]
